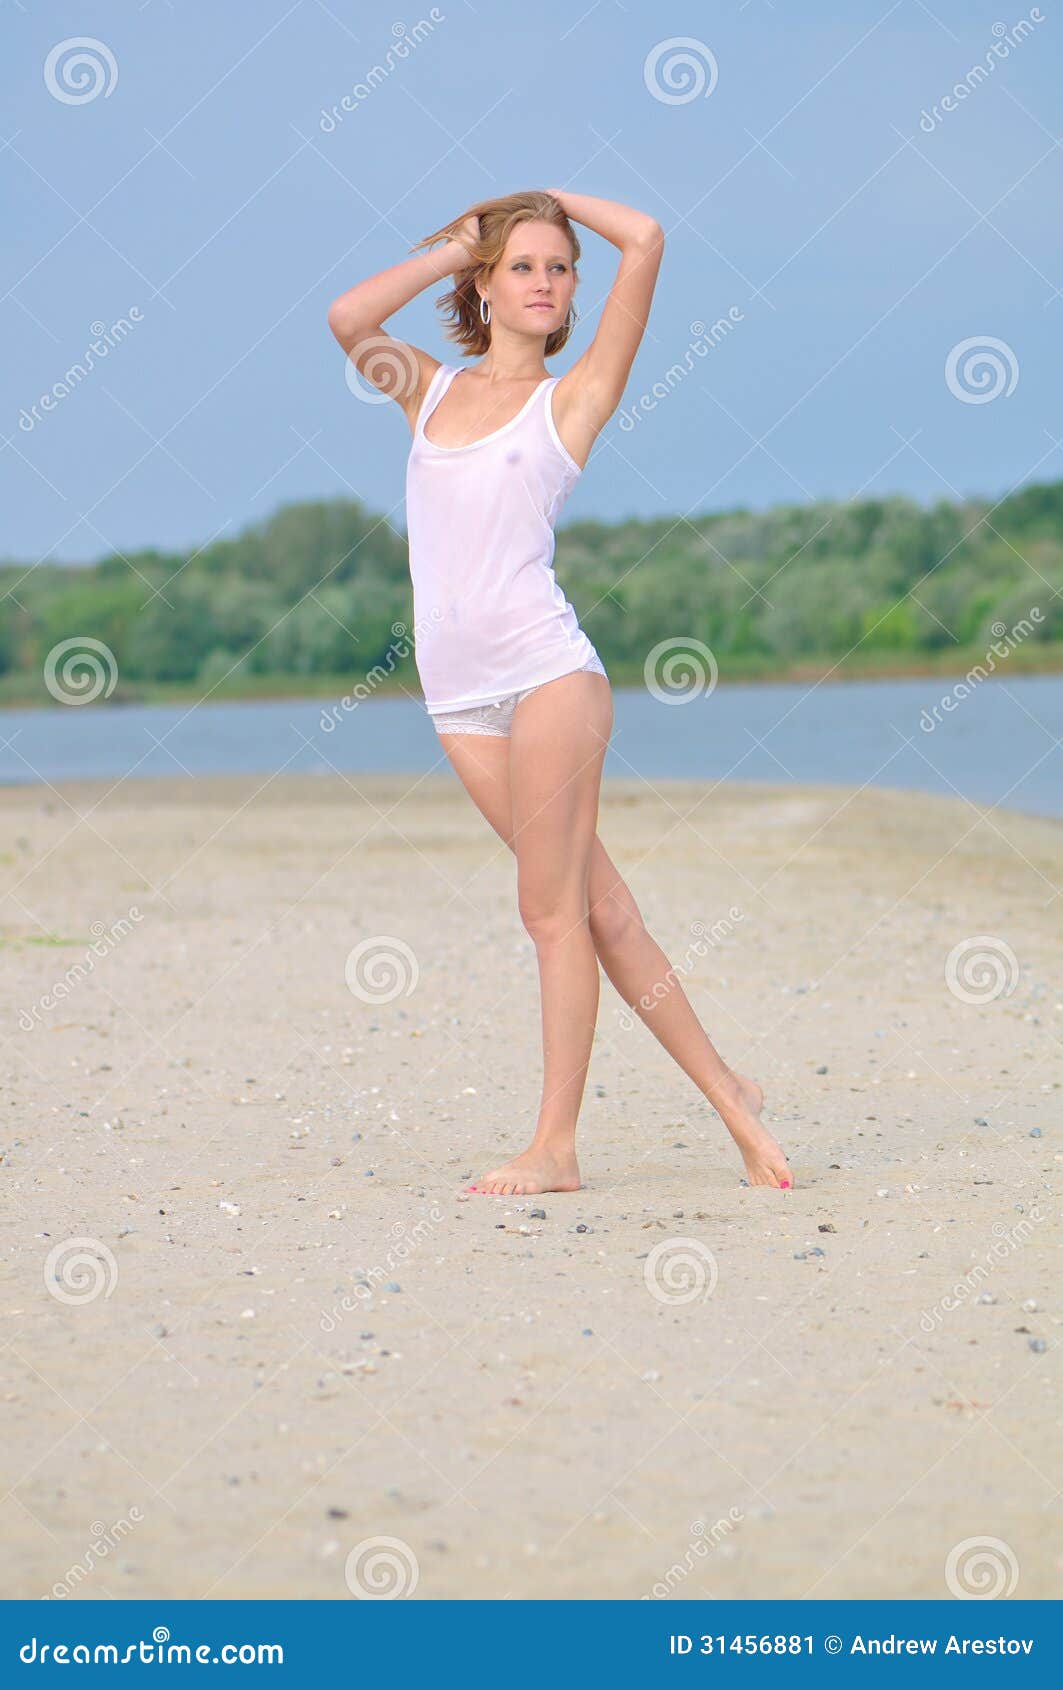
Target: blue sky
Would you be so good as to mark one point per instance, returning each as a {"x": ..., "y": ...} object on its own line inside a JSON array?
[{"x": 806, "y": 187}]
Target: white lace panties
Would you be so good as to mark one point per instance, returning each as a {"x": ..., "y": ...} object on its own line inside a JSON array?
[{"x": 496, "y": 718}]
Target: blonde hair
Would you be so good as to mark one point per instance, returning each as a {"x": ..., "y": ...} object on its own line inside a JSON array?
[{"x": 498, "y": 218}]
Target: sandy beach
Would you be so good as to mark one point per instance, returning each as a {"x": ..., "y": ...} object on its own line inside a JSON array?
[{"x": 290, "y": 1333}]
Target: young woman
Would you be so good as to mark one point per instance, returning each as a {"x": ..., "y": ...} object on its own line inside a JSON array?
[{"x": 516, "y": 691}]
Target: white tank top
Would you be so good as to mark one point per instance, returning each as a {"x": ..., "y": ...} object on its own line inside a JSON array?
[{"x": 489, "y": 616}]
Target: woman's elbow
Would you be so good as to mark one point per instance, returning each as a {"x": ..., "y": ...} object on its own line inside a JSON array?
[
  {"x": 347, "y": 325},
  {"x": 340, "y": 317}
]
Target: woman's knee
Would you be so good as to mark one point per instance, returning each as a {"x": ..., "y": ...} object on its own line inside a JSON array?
[
  {"x": 613, "y": 920},
  {"x": 613, "y": 913},
  {"x": 550, "y": 917}
]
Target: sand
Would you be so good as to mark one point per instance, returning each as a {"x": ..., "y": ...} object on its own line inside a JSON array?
[{"x": 231, "y": 1400}]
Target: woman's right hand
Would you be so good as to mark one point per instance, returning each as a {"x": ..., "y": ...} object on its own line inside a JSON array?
[{"x": 469, "y": 232}]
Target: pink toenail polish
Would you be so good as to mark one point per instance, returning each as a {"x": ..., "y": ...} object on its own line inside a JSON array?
[{"x": 784, "y": 1184}]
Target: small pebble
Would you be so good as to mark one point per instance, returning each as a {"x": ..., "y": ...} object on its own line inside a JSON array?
[
  {"x": 1035, "y": 1132},
  {"x": 393, "y": 1285},
  {"x": 1038, "y": 1345},
  {"x": 537, "y": 1215},
  {"x": 1030, "y": 1305}
]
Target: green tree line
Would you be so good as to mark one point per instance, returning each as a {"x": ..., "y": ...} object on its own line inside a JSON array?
[{"x": 318, "y": 588}]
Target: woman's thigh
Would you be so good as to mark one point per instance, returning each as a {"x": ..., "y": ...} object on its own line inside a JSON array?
[
  {"x": 482, "y": 764},
  {"x": 557, "y": 743}
]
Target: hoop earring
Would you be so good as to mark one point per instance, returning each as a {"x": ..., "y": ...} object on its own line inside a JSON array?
[
  {"x": 483, "y": 302},
  {"x": 574, "y": 315}
]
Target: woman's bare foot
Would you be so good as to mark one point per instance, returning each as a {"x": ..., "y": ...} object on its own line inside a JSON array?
[
  {"x": 761, "y": 1153},
  {"x": 535, "y": 1169}
]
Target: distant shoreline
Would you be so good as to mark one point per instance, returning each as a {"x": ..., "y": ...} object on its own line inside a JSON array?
[{"x": 26, "y": 692}]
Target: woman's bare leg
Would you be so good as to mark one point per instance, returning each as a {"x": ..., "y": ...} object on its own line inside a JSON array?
[
  {"x": 649, "y": 985},
  {"x": 635, "y": 964},
  {"x": 557, "y": 744}
]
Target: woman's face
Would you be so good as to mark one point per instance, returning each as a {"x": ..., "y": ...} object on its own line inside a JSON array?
[{"x": 531, "y": 286}]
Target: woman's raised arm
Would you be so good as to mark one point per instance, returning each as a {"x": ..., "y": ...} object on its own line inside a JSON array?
[
  {"x": 395, "y": 366},
  {"x": 592, "y": 389}
]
